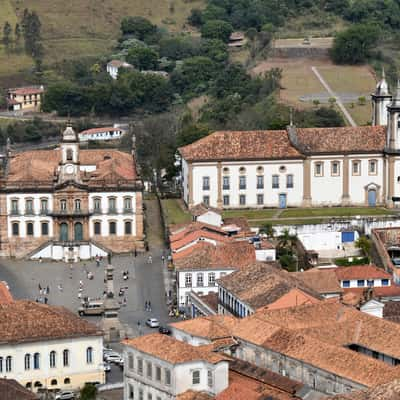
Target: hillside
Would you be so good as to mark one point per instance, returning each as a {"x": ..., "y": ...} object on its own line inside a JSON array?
[{"x": 90, "y": 27}]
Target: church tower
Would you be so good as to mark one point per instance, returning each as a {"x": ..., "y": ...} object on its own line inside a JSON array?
[
  {"x": 392, "y": 138},
  {"x": 69, "y": 165},
  {"x": 381, "y": 98}
]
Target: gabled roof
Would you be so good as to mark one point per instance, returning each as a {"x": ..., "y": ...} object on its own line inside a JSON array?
[
  {"x": 201, "y": 208},
  {"x": 197, "y": 235},
  {"x": 171, "y": 350},
  {"x": 323, "y": 281},
  {"x": 212, "y": 327},
  {"x": 293, "y": 298},
  {"x": 10, "y": 389},
  {"x": 261, "y": 284},
  {"x": 241, "y": 145},
  {"x": 361, "y": 272},
  {"x": 28, "y": 321}
]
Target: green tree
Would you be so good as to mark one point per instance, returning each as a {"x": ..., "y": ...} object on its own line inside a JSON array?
[
  {"x": 354, "y": 45},
  {"x": 17, "y": 33},
  {"x": 190, "y": 133},
  {"x": 364, "y": 244},
  {"x": 287, "y": 241},
  {"x": 215, "y": 49},
  {"x": 7, "y": 30},
  {"x": 88, "y": 392},
  {"x": 143, "y": 58},
  {"x": 195, "y": 18},
  {"x": 217, "y": 29},
  {"x": 268, "y": 229},
  {"x": 140, "y": 27}
]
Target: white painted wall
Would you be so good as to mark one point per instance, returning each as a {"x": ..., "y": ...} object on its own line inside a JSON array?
[
  {"x": 106, "y": 135},
  {"x": 186, "y": 337},
  {"x": 265, "y": 255},
  {"x": 183, "y": 291},
  {"x": 77, "y": 361},
  {"x": 374, "y": 308},
  {"x": 323, "y": 240}
]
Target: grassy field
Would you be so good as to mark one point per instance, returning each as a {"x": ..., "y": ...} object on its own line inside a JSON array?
[
  {"x": 174, "y": 213},
  {"x": 250, "y": 214},
  {"x": 298, "y": 80},
  {"x": 333, "y": 212},
  {"x": 75, "y": 28}
]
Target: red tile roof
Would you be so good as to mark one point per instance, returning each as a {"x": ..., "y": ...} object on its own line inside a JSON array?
[
  {"x": 294, "y": 298},
  {"x": 26, "y": 90},
  {"x": 180, "y": 232},
  {"x": 343, "y": 139},
  {"x": 27, "y": 321},
  {"x": 100, "y": 130},
  {"x": 233, "y": 255},
  {"x": 241, "y": 145},
  {"x": 361, "y": 272},
  {"x": 171, "y": 350},
  {"x": 40, "y": 165},
  {"x": 197, "y": 235},
  {"x": 10, "y": 389}
]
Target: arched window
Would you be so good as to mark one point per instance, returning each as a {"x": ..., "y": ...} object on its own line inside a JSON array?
[
  {"x": 8, "y": 364},
  {"x": 63, "y": 205},
  {"x": 66, "y": 358},
  {"x": 128, "y": 228},
  {"x": 97, "y": 228},
  {"x": 29, "y": 229},
  {"x": 113, "y": 228},
  {"x": 37, "y": 384},
  {"x": 67, "y": 381},
  {"x": 225, "y": 170},
  {"x": 53, "y": 382},
  {"x": 112, "y": 205},
  {"x": 260, "y": 170},
  {"x": 28, "y": 385},
  {"x": 69, "y": 154},
  {"x": 77, "y": 204},
  {"x": 27, "y": 361},
  {"x": 15, "y": 229},
  {"x": 128, "y": 204},
  {"x": 97, "y": 204},
  {"x": 89, "y": 355},
  {"x": 52, "y": 359},
  {"x": 36, "y": 361},
  {"x": 242, "y": 170}
]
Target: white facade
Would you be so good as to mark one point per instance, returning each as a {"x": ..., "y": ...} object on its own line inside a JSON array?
[
  {"x": 362, "y": 282},
  {"x": 114, "y": 66},
  {"x": 199, "y": 281},
  {"x": 373, "y": 307},
  {"x": 229, "y": 304},
  {"x": 97, "y": 134},
  {"x": 54, "y": 364},
  {"x": 146, "y": 377},
  {"x": 183, "y": 336},
  {"x": 323, "y": 240}
]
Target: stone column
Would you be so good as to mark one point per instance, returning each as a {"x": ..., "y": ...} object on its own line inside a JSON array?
[
  {"x": 390, "y": 182},
  {"x": 219, "y": 185},
  {"x": 190, "y": 184},
  {"x": 307, "y": 183},
  {"x": 345, "y": 182},
  {"x": 384, "y": 180}
]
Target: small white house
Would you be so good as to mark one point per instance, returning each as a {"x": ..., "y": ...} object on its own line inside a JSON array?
[
  {"x": 373, "y": 307},
  {"x": 160, "y": 367},
  {"x": 113, "y": 67},
  {"x": 206, "y": 215},
  {"x": 105, "y": 133}
]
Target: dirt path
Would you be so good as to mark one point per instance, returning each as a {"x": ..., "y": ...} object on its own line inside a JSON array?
[{"x": 333, "y": 94}]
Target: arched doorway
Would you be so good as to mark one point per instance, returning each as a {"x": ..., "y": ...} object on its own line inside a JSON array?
[
  {"x": 371, "y": 197},
  {"x": 78, "y": 231},
  {"x": 64, "y": 232}
]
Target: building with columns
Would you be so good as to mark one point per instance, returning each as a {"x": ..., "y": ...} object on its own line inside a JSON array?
[
  {"x": 69, "y": 204},
  {"x": 299, "y": 167}
]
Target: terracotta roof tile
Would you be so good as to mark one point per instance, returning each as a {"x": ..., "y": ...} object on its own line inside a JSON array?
[
  {"x": 294, "y": 298},
  {"x": 377, "y": 291},
  {"x": 197, "y": 235},
  {"x": 192, "y": 395},
  {"x": 343, "y": 139},
  {"x": 322, "y": 281},
  {"x": 201, "y": 208},
  {"x": 361, "y": 272},
  {"x": 211, "y": 327},
  {"x": 27, "y": 90},
  {"x": 39, "y": 165},
  {"x": 241, "y": 145},
  {"x": 233, "y": 255},
  {"x": 179, "y": 232},
  {"x": 261, "y": 284},
  {"x": 10, "y": 389},
  {"x": 27, "y": 321},
  {"x": 171, "y": 350}
]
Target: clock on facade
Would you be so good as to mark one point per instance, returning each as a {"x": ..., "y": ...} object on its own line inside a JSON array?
[{"x": 69, "y": 169}]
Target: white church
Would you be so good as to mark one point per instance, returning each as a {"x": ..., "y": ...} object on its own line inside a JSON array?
[{"x": 299, "y": 167}]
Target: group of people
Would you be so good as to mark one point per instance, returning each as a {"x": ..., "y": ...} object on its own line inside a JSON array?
[
  {"x": 43, "y": 293},
  {"x": 147, "y": 306}
]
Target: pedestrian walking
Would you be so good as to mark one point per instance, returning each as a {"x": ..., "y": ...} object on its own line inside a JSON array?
[
  {"x": 163, "y": 259},
  {"x": 135, "y": 252},
  {"x": 47, "y": 289},
  {"x": 145, "y": 305},
  {"x": 150, "y": 259},
  {"x": 40, "y": 287},
  {"x": 149, "y": 305},
  {"x": 60, "y": 287},
  {"x": 46, "y": 300}
]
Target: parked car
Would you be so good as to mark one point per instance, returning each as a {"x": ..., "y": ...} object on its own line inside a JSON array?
[
  {"x": 113, "y": 358},
  {"x": 107, "y": 367},
  {"x": 65, "y": 395},
  {"x": 91, "y": 308},
  {"x": 152, "y": 322},
  {"x": 164, "y": 330}
]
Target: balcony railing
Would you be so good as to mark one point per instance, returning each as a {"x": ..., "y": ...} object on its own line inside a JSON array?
[
  {"x": 81, "y": 213},
  {"x": 225, "y": 187},
  {"x": 29, "y": 211},
  {"x": 206, "y": 187},
  {"x": 14, "y": 212}
]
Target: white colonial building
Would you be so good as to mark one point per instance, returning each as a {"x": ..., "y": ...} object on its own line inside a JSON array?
[
  {"x": 47, "y": 347},
  {"x": 69, "y": 203},
  {"x": 106, "y": 133},
  {"x": 159, "y": 367},
  {"x": 299, "y": 167}
]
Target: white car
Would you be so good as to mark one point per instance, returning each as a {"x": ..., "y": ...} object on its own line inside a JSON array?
[
  {"x": 152, "y": 322},
  {"x": 65, "y": 395},
  {"x": 114, "y": 358}
]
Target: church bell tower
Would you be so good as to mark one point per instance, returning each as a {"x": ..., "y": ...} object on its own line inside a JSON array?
[
  {"x": 69, "y": 165},
  {"x": 392, "y": 138},
  {"x": 381, "y": 99}
]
